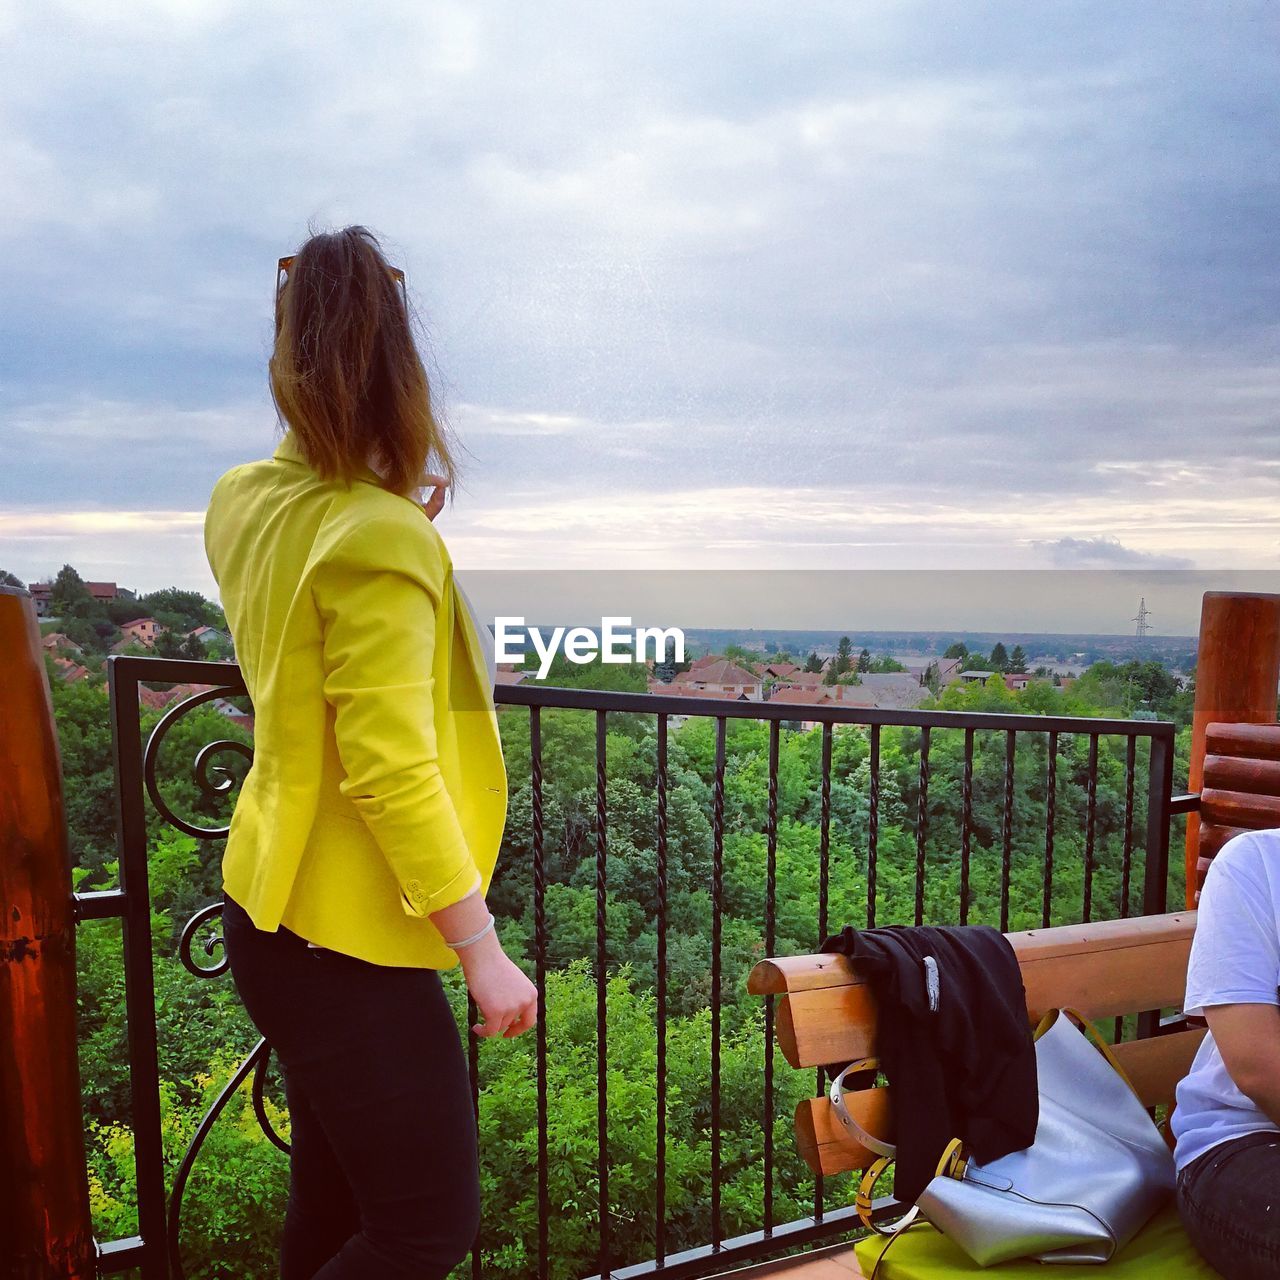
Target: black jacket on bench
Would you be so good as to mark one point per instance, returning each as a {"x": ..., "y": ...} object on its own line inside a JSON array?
[{"x": 965, "y": 1069}]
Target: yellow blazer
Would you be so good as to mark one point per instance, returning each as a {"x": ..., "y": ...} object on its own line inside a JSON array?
[{"x": 377, "y": 792}]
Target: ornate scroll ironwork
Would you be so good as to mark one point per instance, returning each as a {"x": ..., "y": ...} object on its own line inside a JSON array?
[
  {"x": 202, "y": 767},
  {"x": 213, "y": 779}
]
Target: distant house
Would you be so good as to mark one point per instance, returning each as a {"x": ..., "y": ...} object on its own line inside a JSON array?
[
  {"x": 56, "y": 642},
  {"x": 506, "y": 675},
  {"x": 721, "y": 676},
  {"x": 42, "y": 594},
  {"x": 805, "y": 697},
  {"x": 140, "y": 631},
  {"x": 70, "y": 671},
  {"x": 705, "y": 661},
  {"x": 802, "y": 680},
  {"x": 895, "y": 689},
  {"x": 677, "y": 690},
  {"x": 948, "y": 669},
  {"x": 780, "y": 670},
  {"x": 1017, "y": 679},
  {"x": 208, "y": 635},
  {"x": 976, "y": 677}
]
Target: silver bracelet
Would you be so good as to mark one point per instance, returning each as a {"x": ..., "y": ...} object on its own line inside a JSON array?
[{"x": 475, "y": 937}]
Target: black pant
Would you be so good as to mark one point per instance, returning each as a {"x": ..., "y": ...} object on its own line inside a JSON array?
[
  {"x": 384, "y": 1175},
  {"x": 1229, "y": 1199}
]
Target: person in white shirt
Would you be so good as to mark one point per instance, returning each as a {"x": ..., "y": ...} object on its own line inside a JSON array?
[{"x": 1227, "y": 1119}]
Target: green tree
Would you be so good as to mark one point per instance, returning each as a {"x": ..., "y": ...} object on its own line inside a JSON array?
[
  {"x": 884, "y": 663},
  {"x": 8, "y": 579},
  {"x": 666, "y": 669},
  {"x": 999, "y": 657},
  {"x": 813, "y": 663},
  {"x": 844, "y": 656},
  {"x": 1018, "y": 659},
  {"x": 182, "y": 610},
  {"x": 864, "y": 660},
  {"x": 957, "y": 650},
  {"x": 69, "y": 594}
]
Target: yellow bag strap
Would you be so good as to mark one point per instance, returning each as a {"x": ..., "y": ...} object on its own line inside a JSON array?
[
  {"x": 863, "y": 1201},
  {"x": 1091, "y": 1032},
  {"x": 953, "y": 1162}
]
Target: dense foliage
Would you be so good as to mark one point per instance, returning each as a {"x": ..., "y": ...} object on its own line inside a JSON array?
[
  {"x": 95, "y": 625},
  {"x": 235, "y": 1200}
]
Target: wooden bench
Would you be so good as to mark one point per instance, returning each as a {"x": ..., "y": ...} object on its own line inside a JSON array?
[
  {"x": 827, "y": 1017},
  {"x": 1241, "y": 788}
]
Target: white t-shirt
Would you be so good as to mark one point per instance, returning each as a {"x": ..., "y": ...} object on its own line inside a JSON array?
[{"x": 1235, "y": 959}]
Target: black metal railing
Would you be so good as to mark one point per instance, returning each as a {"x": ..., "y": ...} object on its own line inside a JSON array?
[{"x": 155, "y": 1251}]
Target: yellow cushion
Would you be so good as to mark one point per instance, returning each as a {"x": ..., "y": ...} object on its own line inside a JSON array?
[{"x": 1160, "y": 1251}]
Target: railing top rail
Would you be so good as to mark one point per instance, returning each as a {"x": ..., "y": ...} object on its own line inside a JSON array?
[{"x": 188, "y": 671}]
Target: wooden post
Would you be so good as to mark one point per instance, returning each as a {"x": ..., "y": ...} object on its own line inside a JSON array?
[
  {"x": 45, "y": 1228},
  {"x": 1237, "y": 671}
]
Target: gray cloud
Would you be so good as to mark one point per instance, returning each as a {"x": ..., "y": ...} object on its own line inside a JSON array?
[
  {"x": 1105, "y": 552},
  {"x": 895, "y": 268}
]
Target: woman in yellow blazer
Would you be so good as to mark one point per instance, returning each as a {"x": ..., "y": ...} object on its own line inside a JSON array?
[{"x": 365, "y": 835}]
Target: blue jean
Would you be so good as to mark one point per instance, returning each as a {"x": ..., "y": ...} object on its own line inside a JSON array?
[
  {"x": 384, "y": 1173},
  {"x": 1229, "y": 1199}
]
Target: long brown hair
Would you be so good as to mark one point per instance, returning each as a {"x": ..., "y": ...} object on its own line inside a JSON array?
[{"x": 346, "y": 374}]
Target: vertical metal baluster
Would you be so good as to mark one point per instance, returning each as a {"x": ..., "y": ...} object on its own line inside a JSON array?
[
  {"x": 602, "y": 1097},
  {"x": 966, "y": 825},
  {"x": 717, "y": 905},
  {"x": 1155, "y": 874},
  {"x": 1090, "y": 825},
  {"x": 770, "y": 942},
  {"x": 1126, "y": 857},
  {"x": 1126, "y": 870},
  {"x": 139, "y": 974},
  {"x": 824, "y": 870},
  {"x": 873, "y": 825},
  {"x": 1050, "y": 823},
  {"x": 1006, "y": 833},
  {"x": 771, "y": 905},
  {"x": 473, "y": 1077},
  {"x": 922, "y": 822},
  {"x": 540, "y": 980},
  {"x": 661, "y": 1232}
]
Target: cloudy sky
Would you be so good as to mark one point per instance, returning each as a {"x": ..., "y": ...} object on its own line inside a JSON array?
[{"x": 945, "y": 285}]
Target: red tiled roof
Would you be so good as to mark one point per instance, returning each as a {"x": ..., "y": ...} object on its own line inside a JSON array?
[
  {"x": 803, "y": 680},
  {"x": 722, "y": 671},
  {"x": 688, "y": 691},
  {"x": 56, "y": 639},
  {"x": 808, "y": 696}
]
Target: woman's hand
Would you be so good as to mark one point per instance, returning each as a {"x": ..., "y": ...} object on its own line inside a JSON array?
[
  {"x": 434, "y": 504},
  {"x": 508, "y": 1001}
]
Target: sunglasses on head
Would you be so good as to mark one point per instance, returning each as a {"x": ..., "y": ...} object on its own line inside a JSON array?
[{"x": 282, "y": 269}]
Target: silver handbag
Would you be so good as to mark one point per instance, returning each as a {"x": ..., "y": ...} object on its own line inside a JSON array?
[{"x": 1096, "y": 1173}]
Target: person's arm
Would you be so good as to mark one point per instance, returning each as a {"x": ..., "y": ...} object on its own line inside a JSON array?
[
  {"x": 1248, "y": 1037},
  {"x": 377, "y": 594},
  {"x": 507, "y": 1000},
  {"x": 1233, "y": 977}
]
